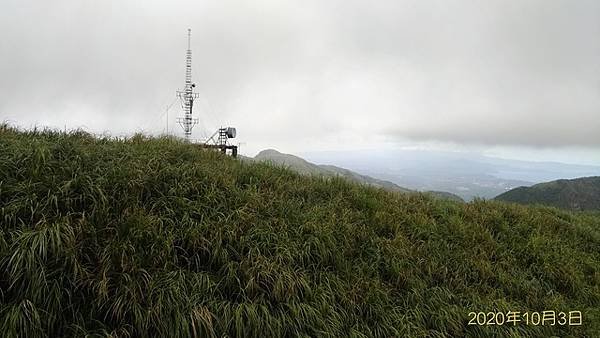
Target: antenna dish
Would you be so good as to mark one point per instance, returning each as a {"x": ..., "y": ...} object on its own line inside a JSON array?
[{"x": 231, "y": 132}]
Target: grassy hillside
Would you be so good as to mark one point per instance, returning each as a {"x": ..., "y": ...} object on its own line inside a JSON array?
[
  {"x": 298, "y": 164},
  {"x": 304, "y": 167},
  {"x": 576, "y": 194},
  {"x": 153, "y": 237}
]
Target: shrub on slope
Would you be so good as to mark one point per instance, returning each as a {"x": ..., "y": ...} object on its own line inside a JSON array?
[{"x": 154, "y": 237}]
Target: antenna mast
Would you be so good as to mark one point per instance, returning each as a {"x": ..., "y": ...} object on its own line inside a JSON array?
[
  {"x": 187, "y": 95},
  {"x": 220, "y": 139}
]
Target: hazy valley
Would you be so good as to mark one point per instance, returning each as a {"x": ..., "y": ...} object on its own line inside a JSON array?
[{"x": 467, "y": 175}]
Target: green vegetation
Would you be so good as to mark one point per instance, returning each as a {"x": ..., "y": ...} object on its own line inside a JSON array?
[
  {"x": 154, "y": 237},
  {"x": 576, "y": 194},
  {"x": 304, "y": 167}
]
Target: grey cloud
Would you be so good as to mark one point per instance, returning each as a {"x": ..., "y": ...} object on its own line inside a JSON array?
[{"x": 292, "y": 73}]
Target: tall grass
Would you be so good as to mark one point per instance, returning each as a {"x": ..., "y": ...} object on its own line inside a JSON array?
[{"x": 153, "y": 237}]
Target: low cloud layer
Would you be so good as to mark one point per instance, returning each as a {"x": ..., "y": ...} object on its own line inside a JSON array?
[{"x": 300, "y": 74}]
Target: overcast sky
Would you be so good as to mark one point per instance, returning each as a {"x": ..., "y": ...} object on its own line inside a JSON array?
[{"x": 512, "y": 78}]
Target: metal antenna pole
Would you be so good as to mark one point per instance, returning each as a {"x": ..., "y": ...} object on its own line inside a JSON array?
[{"x": 187, "y": 95}]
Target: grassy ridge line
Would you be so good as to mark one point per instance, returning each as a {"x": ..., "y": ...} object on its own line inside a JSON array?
[
  {"x": 304, "y": 167},
  {"x": 153, "y": 237}
]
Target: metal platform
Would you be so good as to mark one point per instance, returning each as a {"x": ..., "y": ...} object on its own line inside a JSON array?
[{"x": 221, "y": 147}]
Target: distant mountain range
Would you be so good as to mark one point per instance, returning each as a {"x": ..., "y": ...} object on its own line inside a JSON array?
[
  {"x": 465, "y": 178},
  {"x": 466, "y": 174},
  {"x": 575, "y": 194},
  {"x": 304, "y": 167}
]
